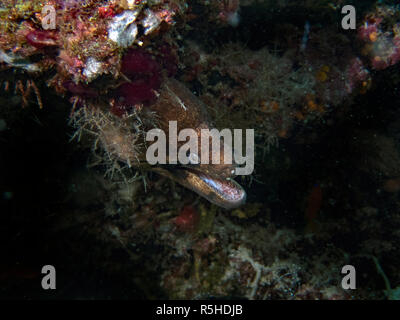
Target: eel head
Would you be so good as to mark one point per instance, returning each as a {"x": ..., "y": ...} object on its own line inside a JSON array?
[{"x": 211, "y": 181}]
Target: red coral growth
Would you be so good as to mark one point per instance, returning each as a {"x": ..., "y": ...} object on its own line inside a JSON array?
[
  {"x": 106, "y": 12},
  {"x": 187, "y": 219},
  {"x": 137, "y": 61},
  {"x": 144, "y": 75}
]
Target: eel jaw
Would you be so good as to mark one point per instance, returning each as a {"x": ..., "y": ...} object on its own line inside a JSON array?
[{"x": 223, "y": 192}]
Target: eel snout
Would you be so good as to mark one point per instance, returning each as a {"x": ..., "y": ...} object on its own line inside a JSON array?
[{"x": 224, "y": 192}]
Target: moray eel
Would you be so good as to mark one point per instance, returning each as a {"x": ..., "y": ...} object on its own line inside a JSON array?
[{"x": 211, "y": 181}]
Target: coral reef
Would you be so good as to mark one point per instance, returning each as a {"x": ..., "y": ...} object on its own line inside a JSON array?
[
  {"x": 89, "y": 40},
  {"x": 381, "y": 35}
]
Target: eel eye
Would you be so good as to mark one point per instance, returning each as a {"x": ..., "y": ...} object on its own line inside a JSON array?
[{"x": 194, "y": 158}]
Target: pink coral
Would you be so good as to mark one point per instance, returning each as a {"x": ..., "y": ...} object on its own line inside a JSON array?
[{"x": 144, "y": 77}]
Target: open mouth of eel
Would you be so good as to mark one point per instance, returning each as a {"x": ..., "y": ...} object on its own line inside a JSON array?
[{"x": 219, "y": 189}]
